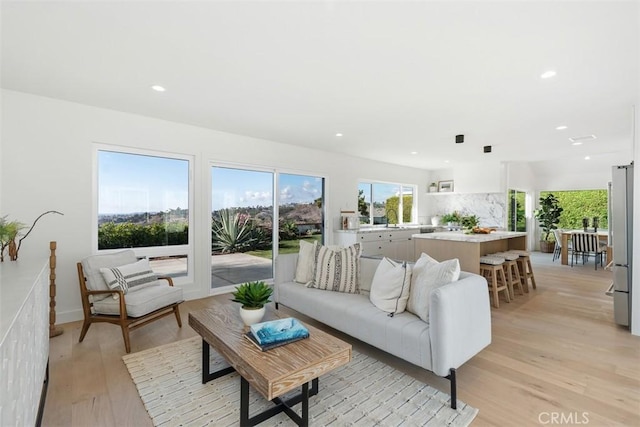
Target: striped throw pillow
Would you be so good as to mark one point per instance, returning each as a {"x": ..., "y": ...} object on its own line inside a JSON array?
[
  {"x": 129, "y": 276},
  {"x": 337, "y": 269}
]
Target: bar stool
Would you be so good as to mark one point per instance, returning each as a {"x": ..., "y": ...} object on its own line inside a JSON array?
[
  {"x": 491, "y": 268},
  {"x": 512, "y": 271},
  {"x": 526, "y": 271}
]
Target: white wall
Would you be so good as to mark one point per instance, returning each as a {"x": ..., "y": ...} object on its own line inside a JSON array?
[
  {"x": 47, "y": 148},
  {"x": 520, "y": 176},
  {"x": 485, "y": 176},
  {"x": 571, "y": 174}
]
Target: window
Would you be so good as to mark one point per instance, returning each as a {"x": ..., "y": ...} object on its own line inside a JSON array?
[
  {"x": 384, "y": 203},
  {"x": 517, "y": 220},
  {"x": 579, "y": 204},
  {"x": 144, "y": 204}
]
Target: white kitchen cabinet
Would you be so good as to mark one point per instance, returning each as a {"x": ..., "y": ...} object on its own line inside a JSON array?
[{"x": 394, "y": 244}]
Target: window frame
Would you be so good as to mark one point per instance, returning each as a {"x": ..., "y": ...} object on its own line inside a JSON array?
[
  {"x": 401, "y": 187},
  {"x": 150, "y": 251},
  {"x": 275, "y": 171}
]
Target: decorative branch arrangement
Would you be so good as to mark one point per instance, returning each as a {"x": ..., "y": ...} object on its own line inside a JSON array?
[{"x": 9, "y": 232}]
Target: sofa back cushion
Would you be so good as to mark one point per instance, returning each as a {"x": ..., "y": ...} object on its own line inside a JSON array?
[
  {"x": 337, "y": 269},
  {"x": 368, "y": 267},
  {"x": 429, "y": 274},
  {"x": 390, "y": 286}
]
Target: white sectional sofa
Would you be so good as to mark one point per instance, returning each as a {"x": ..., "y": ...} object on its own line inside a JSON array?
[{"x": 459, "y": 324}]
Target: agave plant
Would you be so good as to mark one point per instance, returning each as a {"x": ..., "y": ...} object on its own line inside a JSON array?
[
  {"x": 252, "y": 295},
  {"x": 231, "y": 232}
]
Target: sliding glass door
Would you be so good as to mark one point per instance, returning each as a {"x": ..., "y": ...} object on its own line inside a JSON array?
[
  {"x": 243, "y": 233},
  {"x": 241, "y": 226},
  {"x": 300, "y": 210}
]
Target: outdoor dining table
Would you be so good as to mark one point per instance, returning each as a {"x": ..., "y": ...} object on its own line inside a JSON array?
[{"x": 566, "y": 234}]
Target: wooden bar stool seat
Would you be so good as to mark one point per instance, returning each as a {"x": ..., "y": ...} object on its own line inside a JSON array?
[
  {"x": 526, "y": 270},
  {"x": 512, "y": 272},
  {"x": 492, "y": 269}
]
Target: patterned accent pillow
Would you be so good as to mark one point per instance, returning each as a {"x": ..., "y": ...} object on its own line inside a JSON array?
[
  {"x": 390, "y": 286},
  {"x": 337, "y": 269},
  {"x": 128, "y": 276},
  {"x": 429, "y": 274}
]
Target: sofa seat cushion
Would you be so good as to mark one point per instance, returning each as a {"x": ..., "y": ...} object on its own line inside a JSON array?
[
  {"x": 140, "y": 301},
  {"x": 404, "y": 335}
]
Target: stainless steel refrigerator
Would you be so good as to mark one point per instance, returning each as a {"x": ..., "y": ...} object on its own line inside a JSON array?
[{"x": 622, "y": 241}]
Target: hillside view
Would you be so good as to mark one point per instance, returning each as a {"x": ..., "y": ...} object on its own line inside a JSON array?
[{"x": 143, "y": 229}]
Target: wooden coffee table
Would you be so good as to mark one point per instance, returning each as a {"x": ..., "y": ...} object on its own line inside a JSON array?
[{"x": 272, "y": 373}]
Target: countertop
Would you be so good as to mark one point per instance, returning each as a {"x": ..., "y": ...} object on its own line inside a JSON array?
[
  {"x": 459, "y": 236},
  {"x": 384, "y": 229}
]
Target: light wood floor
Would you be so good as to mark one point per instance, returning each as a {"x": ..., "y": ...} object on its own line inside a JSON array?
[{"x": 554, "y": 351}]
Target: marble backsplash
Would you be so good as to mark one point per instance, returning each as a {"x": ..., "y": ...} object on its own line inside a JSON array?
[{"x": 490, "y": 208}]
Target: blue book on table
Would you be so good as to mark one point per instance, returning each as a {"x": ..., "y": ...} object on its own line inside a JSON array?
[{"x": 278, "y": 331}]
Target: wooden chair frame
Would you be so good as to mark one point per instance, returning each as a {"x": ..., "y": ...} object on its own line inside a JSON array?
[{"x": 126, "y": 322}]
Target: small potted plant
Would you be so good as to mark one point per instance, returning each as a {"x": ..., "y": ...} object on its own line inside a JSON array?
[
  {"x": 253, "y": 296},
  {"x": 468, "y": 222},
  {"x": 451, "y": 219},
  {"x": 549, "y": 216}
]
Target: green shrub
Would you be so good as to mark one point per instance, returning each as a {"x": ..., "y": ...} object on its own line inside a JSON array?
[{"x": 130, "y": 235}]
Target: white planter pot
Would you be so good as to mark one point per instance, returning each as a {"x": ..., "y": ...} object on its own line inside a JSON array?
[{"x": 249, "y": 317}]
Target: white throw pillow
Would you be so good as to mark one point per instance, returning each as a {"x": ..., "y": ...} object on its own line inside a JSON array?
[
  {"x": 129, "y": 276},
  {"x": 390, "y": 286},
  {"x": 337, "y": 270},
  {"x": 306, "y": 262},
  {"x": 429, "y": 274}
]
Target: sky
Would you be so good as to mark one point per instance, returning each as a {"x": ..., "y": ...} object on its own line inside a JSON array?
[
  {"x": 381, "y": 191},
  {"x": 130, "y": 183},
  {"x": 243, "y": 188}
]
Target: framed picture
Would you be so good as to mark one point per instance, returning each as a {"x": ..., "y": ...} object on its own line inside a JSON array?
[{"x": 445, "y": 186}]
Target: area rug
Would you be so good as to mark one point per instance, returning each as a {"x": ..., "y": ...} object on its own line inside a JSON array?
[{"x": 364, "y": 392}]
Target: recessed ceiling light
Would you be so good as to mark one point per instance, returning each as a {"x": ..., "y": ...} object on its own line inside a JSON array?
[
  {"x": 158, "y": 88},
  {"x": 414, "y": 152},
  {"x": 338, "y": 134},
  {"x": 446, "y": 161},
  {"x": 576, "y": 143},
  {"x": 587, "y": 157},
  {"x": 547, "y": 74},
  {"x": 563, "y": 127}
]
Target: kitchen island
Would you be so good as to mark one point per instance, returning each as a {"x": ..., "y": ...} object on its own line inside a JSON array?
[{"x": 468, "y": 248}]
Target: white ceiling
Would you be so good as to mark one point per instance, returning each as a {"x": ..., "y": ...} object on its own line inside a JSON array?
[{"x": 393, "y": 77}]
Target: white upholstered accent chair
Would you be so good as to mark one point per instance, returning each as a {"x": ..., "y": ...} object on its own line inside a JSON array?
[{"x": 130, "y": 307}]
